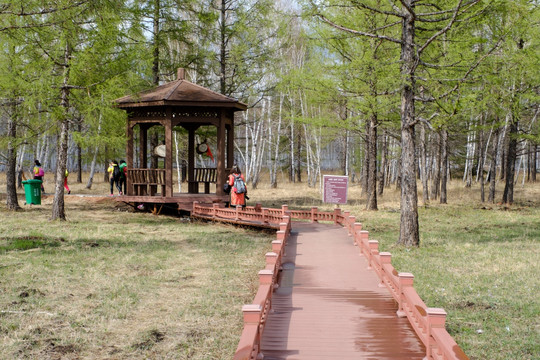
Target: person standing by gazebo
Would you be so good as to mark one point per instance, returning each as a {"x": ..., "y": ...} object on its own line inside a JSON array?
[{"x": 237, "y": 183}]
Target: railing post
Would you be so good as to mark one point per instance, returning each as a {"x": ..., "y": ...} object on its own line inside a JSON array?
[
  {"x": 436, "y": 317},
  {"x": 214, "y": 210},
  {"x": 285, "y": 225},
  {"x": 314, "y": 211},
  {"x": 265, "y": 215},
  {"x": 271, "y": 258},
  {"x": 364, "y": 236},
  {"x": 373, "y": 250},
  {"x": 351, "y": 222},
  {"x": 284, "y": 209},
  {"x": 195, "y": 206},
  {"x": 277, "y": 245},
  {"x": 356, "y": 228},
  {"x": 386, "y": 258},
  {"x": 252, "y": 313},
  {"x": 252, "y": 316},
  {"x": 405, "y": 280},
  {"x": 265, "y": 277},
  {"x": 237, "y": 216},
  {"x": 337, "y": 213}
]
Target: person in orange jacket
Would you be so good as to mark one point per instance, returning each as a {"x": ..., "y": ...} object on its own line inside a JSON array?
[{"x": 237, "y": 183}]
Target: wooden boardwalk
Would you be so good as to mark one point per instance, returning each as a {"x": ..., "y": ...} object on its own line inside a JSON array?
[{"x": 330, "y": 306}]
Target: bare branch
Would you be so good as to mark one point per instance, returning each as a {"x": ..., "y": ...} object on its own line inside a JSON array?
[
  {"x": 364, "y": 6},
  {"x": 409, "y": 9},
  {"x": 387, "y": 26},
  {"x": 43, "y": 11},
  {"x": 396, "y": 9},
  {"x": 356, "y": 32}
]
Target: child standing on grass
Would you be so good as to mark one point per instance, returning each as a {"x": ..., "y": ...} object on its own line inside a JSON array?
[{"x": 39, "y": 173}]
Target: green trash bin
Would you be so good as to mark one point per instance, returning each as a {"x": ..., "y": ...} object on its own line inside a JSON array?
[{"x": 32, "y": 191}]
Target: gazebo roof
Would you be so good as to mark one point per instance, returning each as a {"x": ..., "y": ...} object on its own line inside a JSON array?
[{"x": 179, "y": 93}]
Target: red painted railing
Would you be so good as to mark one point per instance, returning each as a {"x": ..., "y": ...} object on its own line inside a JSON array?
[{"x": 428, "y": 323}]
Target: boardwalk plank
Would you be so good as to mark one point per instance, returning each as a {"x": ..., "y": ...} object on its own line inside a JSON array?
[{"x": 329, "y": 305}]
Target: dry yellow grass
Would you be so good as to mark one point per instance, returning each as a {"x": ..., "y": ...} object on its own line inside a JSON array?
[{"x": 173, "y": 290}]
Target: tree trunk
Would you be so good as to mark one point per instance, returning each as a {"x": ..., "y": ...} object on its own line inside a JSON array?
[
  {"x": 504, "y": 149},
  {"x": 298, "y": 165},
  {"x": 444, "y": 166},
  {"x": 409, "y": 232},
  {"x": 155, "y": 60},
  {"x": 58, "y": 212},
  {"x": 11, "y": 176},
  {"x": 435, "y": 185},
  {"x": 508, "y": 195},
  {"x": 371, "y": 203},
  {"x": 223, "y": 48},
  {"x": 481, "y": 164},
  {"x": 423, "y": 165},
  {"x": 79, "y": 155},
  {"x": 276, "y": 141},
  {"x": 533, "y": 162},
  {"x": 493, "y": 168},
  {"x": 384, "y": 157},
  {"x": 94, "y": 158},
  {"x": 20, "y": 167},
  {"x": 365, "y": 169}
]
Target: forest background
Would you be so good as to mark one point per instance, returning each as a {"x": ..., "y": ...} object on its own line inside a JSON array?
[{"x": 385, "y": 92}]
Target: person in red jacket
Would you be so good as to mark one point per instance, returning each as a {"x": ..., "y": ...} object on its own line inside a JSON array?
[{"x": 237, "y": 183}]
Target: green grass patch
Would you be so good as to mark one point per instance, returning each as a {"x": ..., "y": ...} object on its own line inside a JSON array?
[
  {"x": 481, "y": 266},
  {"x": 110, "y": 284}
]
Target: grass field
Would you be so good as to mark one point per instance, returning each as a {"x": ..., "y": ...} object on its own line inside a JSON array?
[{"x": 112, "y": 284}]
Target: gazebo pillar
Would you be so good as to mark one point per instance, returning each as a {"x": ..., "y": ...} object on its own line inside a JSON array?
[
  {"x": 129, "y": 154},
  {"x": 220, "y": 180},
  {"x": 193, "y": 187},
  {"x": 230, "y": 144},
  {"x": 168, "y": 159}
]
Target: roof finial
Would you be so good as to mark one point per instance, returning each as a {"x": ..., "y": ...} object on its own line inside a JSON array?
[{"x": 181, "y": 74}]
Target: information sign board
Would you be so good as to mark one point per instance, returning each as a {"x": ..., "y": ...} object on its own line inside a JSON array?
[{"x": 335, "y": 189}]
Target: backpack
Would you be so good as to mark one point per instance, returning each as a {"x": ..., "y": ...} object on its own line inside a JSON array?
[
  {"x": 123, "y": 170},
  {"x": 239, "y": 185},
  {"x": 116, "y": 173}
]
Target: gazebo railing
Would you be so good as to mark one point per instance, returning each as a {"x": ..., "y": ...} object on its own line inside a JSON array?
[
  {"x": 206, "y": 176},
  {"x": 145, "y": 182}
]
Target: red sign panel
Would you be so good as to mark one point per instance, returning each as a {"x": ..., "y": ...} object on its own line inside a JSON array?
[{"x": 335, "y": 189}]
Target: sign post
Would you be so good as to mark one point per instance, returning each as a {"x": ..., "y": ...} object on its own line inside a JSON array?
[{"x": 335, "y": 189}]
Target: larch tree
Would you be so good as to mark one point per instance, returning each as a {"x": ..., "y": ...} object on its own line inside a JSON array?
[{"x": 413, "y": 41}]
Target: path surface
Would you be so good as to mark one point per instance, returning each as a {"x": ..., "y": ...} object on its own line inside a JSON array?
[{"x": 329, "y": 305}]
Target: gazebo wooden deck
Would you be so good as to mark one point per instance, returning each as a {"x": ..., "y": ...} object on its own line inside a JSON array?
[{"x": 178, "y": 103}]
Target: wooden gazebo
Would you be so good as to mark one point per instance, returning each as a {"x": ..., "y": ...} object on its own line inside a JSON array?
[{"x": 178, "y": 103}]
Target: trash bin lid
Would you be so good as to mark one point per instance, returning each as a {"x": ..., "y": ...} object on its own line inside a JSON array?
[{"x": 31, "y": 181}]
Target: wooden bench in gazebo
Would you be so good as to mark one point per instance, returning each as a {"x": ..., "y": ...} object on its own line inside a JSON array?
[{"x": 178, "y": 103}]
